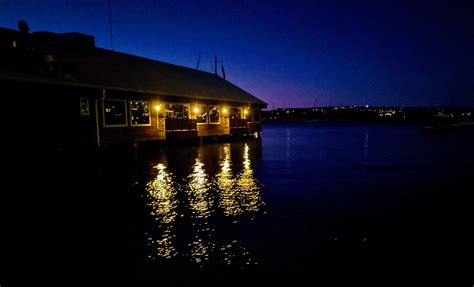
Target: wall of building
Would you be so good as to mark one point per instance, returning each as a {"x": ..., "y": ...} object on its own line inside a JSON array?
[
  {"x": 61, "y": 115},
  {"x": 47, "y": 115}
]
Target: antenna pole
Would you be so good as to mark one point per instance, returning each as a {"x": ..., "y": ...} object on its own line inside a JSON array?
[
  {"x": 215, "y": 65},
  {"x": 199, "y": 60},
  {"x": 110, "y": 26},
  {"x": 215, "y": 62},
  {"x": 223, "y": 72}
]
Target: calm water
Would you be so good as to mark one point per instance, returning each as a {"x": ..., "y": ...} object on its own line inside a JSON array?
[{"x": 338, "y": 202}]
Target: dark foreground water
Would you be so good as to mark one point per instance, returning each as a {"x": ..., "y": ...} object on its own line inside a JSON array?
[{"x": 332, "y": 203}]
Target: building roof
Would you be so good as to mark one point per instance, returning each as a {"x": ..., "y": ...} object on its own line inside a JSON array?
[{"x": 114, "y": 70}]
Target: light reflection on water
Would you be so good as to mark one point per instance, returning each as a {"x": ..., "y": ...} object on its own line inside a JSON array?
[
  {"x": 163, "y": 195},
  {"x": 239, "y": 194},
  {"x": 200, "y": 200},
  {"x": 163, "y": 202},
  {"x": 197, "y": 200},
  {"x": 247, "y": 186}
]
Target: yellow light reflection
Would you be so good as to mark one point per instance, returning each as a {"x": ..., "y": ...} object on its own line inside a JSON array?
[
  {"x": 241, "y": 194},
  {"x": 200, "y": 201},
  {"x": 247, "y": 186},
  {"x": 162, "y": 200},
  {"x": 234, "y": 254},
  {"x": 165, "y": 245},
  {"x": 163, "y": 196},
  {"x": 228, "y": 199},
  {"x": 200, "y": 250},
  {"x": 238, "y": 194}
]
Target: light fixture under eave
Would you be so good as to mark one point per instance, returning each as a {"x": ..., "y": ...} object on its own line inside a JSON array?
[
  {"x": 196, "y": 110},
  {"x": 158, "y": 107},
  {"x": 224, "y": 110}
]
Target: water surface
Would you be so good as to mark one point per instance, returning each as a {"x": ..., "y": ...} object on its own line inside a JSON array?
[
  {"x": 344, "y": 202},
  {"x": 318, "y": 198}
]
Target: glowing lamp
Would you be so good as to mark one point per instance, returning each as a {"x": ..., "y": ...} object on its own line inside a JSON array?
[
  {"x": 224, "y": 110},
  {"x": 196, "y": 110},
  {"x": 246, "y": 111},
  {"x": 157, "y": 107}
]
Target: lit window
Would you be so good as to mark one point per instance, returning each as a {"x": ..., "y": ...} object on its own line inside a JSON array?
[
  {"x": 235, "y": 113},
  {"x": 140, "y": 113},
  {"x": 214, "y": 115},
  {"x": 201, "y": 115},
  {"x": 177, "y": 111},
  {"x": 256, "y": 115},
  {"x": 115, "y": 113},
  {"x": 84, "y": 105}
]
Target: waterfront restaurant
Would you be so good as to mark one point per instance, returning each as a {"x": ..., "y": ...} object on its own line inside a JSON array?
[{"x": 76, "y": 93}]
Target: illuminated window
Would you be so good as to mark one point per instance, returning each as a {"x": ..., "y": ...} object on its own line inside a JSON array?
[
  {"x": 177, "y": 111},
  {"x": 84, "y": 105},
  {"x": 235, "y": 113},
  {"x": 214, "y": 115},
  {"x": 201, "y": 115},
  {"x": 140, "y": 113},
  {"x": 115, "y": 113},
  {"x": 256, "y": 115}
]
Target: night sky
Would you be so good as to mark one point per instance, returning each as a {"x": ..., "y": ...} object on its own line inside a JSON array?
[{"x": 289, "y": 53}]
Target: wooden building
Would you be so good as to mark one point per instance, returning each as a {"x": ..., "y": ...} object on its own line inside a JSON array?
[{"x": 75, "y": 93}]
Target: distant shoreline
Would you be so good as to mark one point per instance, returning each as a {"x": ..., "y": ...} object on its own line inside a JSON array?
[
  {"x": 370, "y": 114},
  {"x": 322, "y": 121}
]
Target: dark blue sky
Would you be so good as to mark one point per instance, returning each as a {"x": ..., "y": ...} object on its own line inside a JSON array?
[{"x": 289, "y": 53}]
